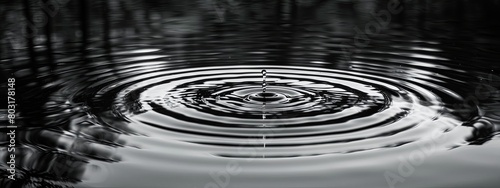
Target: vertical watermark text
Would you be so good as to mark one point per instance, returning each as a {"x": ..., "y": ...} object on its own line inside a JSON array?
[{"x": 11, "y": 133}]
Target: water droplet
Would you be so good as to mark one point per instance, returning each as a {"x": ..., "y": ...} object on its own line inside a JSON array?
[{"x": 264, "y": 85}]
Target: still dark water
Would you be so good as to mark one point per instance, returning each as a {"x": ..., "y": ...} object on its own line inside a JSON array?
[{"x": 170, "y": 94}]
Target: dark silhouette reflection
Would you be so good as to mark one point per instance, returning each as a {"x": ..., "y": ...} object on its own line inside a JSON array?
[
  {"x": 48, "y": 40},
  {"x": 30, "y": 106},
  {"x": 56, "y": 138},
  {"x": 106, "y": 30},
  {"x": 30, "y": 33},
  {"x": 84, "y": 28}
]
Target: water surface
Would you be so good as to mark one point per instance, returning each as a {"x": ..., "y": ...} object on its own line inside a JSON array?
[{"x": 254, "y": 94}]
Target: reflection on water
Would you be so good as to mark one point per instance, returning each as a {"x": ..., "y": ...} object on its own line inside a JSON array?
[{"x": 292, "y": 93}]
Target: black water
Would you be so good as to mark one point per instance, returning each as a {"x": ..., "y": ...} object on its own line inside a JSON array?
[{"x": 230, "y": 93}]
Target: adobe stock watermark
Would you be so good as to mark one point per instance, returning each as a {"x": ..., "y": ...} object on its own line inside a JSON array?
[
  {"x": 487, "y": 88},
  {"x": 407, "y": 165},
  {"x": 381, "y": 21},
  {"x": 222, "y": 6},
  {"x": 222, "y": 177}
]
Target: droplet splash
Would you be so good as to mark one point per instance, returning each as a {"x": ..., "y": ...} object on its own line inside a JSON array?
[{"x": 264, "y": 84}]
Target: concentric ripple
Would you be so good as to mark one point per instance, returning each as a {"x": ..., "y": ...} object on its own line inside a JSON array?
[{"x": 304, "y": 111}]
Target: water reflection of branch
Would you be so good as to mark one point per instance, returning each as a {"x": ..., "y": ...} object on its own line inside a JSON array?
[{"x": 59, "y": 154}]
